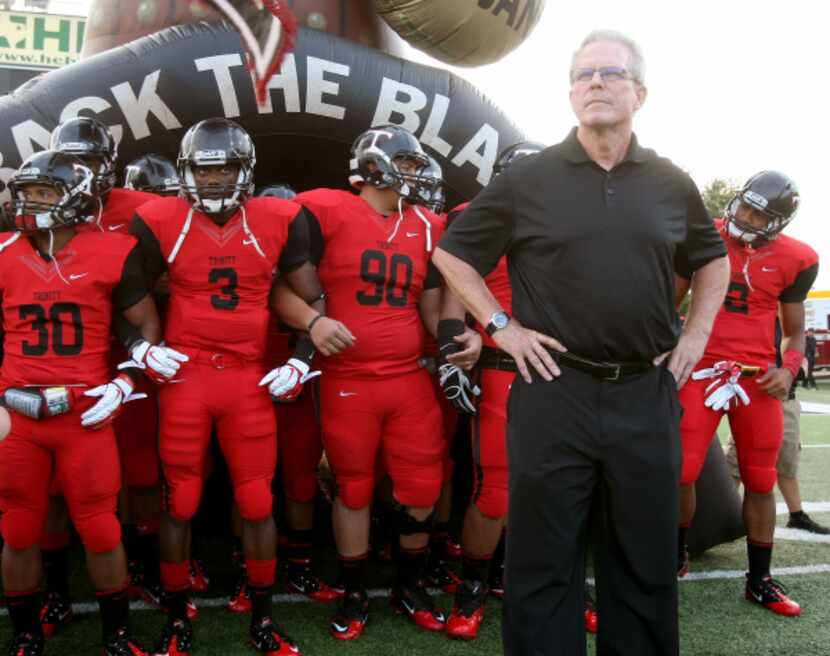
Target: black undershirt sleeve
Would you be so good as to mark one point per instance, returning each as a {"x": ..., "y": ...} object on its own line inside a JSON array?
[
  {"x": 133, "y": 284},
  {"x": 433, "y": 278},
  {"x": 797, "y": 292},
  {"x": 295, "y": 251},
  {"x": 153, "y": 261},
  {"x": 316, "y": 244}
]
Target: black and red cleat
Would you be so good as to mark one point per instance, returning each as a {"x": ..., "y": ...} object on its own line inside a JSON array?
[
  {"x": 591, "y": 617},
  {"x": 268, "y": 638},
  {"x": 496, "y": 583},
  {"x": 683, "y": 565},
  {"x": 468, "y": 611},
  {"x": 300, "y": 577},
  {"x": 55, "y": 613},
  {"x": 416, "y": 604},
  {"x": 770, "y": 594},
  {"x": 352, "y": 615},
  {"x": 26, "y": 644},
  {"x": 199, "y": 580},
  {"x": 240, "y": 601},
  {"x": 190, "y": 607},
  {"x": 176, "y": 639},
  {"x": 122, "y": 645},
  {"x": 439, "y": 574}
]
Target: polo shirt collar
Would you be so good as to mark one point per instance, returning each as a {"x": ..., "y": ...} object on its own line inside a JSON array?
[{"x": 575, "y": 153}]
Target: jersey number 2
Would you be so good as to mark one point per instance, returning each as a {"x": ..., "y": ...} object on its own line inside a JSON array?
[{"x": 736, "y": 298}]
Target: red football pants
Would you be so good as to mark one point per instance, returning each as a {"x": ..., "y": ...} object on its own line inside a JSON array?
[
  {"x": 397, "y": 417},
  {"x": 758, "y": 430},
  {"x": 225, "y": 394}
]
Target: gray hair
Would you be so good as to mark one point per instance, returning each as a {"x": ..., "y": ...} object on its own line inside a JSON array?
[{"x": 636, "y": 63}]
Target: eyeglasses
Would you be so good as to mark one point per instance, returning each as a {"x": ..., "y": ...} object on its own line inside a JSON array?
[{"x": 607, "y": 73}]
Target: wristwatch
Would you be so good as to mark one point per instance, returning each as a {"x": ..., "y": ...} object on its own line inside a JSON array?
[{"x": 497, "y": 321}]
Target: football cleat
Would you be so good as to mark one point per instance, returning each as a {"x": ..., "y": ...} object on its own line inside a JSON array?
[
  {"x": 267, "y": 637},
  {"x": 301, "y": 578},
  {"x": 468, "y": 611},
  {"x": 121, "y": 645},
  {"x": 176, "y": 639},
  {"x": 591, "y": 617},
  {"x": 439, "y": 574},
  {"x": 192, "y": 611},
  {"x": 416, "y": 604},
  {"x": 55, "y": 613},
  {"x": 240, "y": 601},
  {"x": 496, "y": 586},
  {"x": 683, "y": 565},
  {"x": 199, "y": 580},
  {"x": 352, "y": 615},
  {"x": 772, "y": 595},
  {"x": 26, "y": 644}
]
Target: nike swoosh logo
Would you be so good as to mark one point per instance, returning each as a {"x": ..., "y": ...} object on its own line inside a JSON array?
[
  {"x": 409, "y": 609},
  {"x": 117, "y": 226},
  {"x": 411, "y": 234},
  {"x": 247, "y": 242},
  {"x": 345, "y": 394},
  {"x": 338, "y": 628},
  {"x": 75, "y": 276},
  {"x": 758, "y": 597},
  {"x": 768, "y": 269}
]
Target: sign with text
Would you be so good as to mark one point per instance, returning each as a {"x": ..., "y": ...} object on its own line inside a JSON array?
[{"x": 39, "y": 41}]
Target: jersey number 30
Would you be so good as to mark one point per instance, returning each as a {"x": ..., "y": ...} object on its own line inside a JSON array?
[{"x": 61, "y": 316}]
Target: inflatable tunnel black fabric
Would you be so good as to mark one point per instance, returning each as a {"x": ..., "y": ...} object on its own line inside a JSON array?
[{"x": 328, "y": 91}]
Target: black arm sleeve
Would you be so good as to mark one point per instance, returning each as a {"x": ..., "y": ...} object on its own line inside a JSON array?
[
  {"x": 153, "y": 260},
  {"x": 797, "y": 292},
  {"x": 703, "y": 242},
  {"x": 433, "y": 278},
  {"x": 133, "y": 284},
  {"x": 295, "y": 251},
  {"x": 482, "y": 233},
  {"x": 316, "y": 244}
]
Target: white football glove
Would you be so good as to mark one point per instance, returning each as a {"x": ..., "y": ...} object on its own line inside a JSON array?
[
  {"x": 726, "y": 390},
  {"x": 457, "y": 388},
  {"x": 112, "y": 396},
  {"x": 159, "y": 363},
  {"x": 286, "y": 382}
]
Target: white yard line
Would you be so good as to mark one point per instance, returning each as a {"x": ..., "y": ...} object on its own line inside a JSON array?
[
  {"x": 85, "y": 608},
  {"x": 815, "y": 446},
  {"x": 807, "y": 506}
]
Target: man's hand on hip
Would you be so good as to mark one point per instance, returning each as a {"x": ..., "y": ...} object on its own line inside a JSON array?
[{"x": 529, "y": 347}]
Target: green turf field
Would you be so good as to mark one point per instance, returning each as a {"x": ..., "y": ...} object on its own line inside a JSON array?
[{"x": 715, "y": 620}]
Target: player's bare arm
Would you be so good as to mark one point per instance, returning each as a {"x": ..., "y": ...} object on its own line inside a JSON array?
[{"x": 777, "y": 381}]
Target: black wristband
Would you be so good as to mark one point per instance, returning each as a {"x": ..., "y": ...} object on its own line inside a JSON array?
[
  {"x": 447, "y": 330},
  {"x": 304, "y": 350},
  {"x": 312, "y": 322}
]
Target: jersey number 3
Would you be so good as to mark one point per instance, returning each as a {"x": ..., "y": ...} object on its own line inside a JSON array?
[{"x": 228, "y": 299}]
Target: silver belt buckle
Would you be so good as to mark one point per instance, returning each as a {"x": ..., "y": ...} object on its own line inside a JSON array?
[{"x": 616, "y": 374}]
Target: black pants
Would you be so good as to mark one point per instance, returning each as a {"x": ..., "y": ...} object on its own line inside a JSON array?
[
  {"x": 810, "y": 381},
  {"x": 569, "y": 440}
]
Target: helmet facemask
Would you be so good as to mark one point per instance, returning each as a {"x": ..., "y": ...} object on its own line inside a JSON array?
[
  {"x": 74, "y": 205},
  {"x": 747, "y": 233}
]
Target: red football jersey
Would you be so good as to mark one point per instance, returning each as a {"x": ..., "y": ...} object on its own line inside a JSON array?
[
  {"x": 374, "y": 269},
  {"x": 782, "y": 270},
  {"x": 120, "y": 208},
  {"x": 498, "y": 282},
  {"x": 221, "y": 276},
  {"x": 56, "y": 331}
]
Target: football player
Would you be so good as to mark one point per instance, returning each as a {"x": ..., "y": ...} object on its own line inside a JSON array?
[
  {"x": 152, "y": 173},
  {"x": 135, "y": 429},
  {"x": 738, "y": 376},
  {"x": 221, "y": 249},
  {"x": 58, "y": 308},
  {"x": 373, "y": 255},
  {"x": 481, "y": 543}
]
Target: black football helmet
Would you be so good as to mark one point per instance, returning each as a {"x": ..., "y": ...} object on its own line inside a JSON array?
[
  {"x": 86, "y": 138},
  {"x": 216, "y": 142},
  {"x": 514, "y": 153},
  {"x": 278, "y": 190},
  {"x": 152, "y": 173},
  {"x": 375, "y": 155},
  {"x": 430, "y": 184},
  {"x": 771, "y": 193},
  {"x": 69, "y": 176}
]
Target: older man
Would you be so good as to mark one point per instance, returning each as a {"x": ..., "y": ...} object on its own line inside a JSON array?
[{"x": 594, "y": 230}]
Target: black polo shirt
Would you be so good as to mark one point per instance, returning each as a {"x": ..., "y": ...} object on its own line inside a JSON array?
[{"x": 591, "y": 253}]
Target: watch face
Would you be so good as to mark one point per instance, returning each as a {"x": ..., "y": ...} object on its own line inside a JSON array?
[{"x": 501, "y": 320}]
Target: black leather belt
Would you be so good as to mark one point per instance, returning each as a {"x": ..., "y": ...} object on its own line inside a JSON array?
[{"x": 496, "y": 359}]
